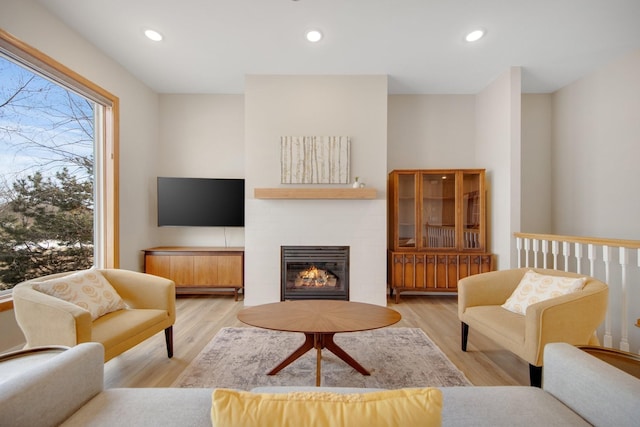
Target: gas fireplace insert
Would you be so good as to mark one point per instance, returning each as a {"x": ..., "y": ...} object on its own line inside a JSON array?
[{"x": 315, "y": 272}]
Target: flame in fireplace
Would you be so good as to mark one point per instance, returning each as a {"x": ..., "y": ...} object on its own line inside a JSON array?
[{"x": 315, "y": 277}]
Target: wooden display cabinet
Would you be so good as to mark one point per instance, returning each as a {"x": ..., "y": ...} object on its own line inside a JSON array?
[
  {"x": 437, "y": 229},
  {"x": 198, "y": 270}
]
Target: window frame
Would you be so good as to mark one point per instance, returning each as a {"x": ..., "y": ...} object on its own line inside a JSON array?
[{"x": 106, "y": 155}]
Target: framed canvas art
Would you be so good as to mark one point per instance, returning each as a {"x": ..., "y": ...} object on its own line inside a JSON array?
[{"x": 315, "y": 159}]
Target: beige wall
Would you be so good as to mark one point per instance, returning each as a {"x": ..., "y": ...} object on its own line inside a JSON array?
[
  {"x": 595, "y": 152},
  {"x": 596, "y": 175},
  {"x": 431, "y": 132},
  {"x": 536, "y": 163},
  {"x": 498, "y": 150},
  {"x": 201, "y": 136}
]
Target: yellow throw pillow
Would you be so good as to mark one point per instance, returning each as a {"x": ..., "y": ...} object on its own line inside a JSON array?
[
  {"x": 535, "y": 287},
  {"x": 403, "y": 408},
  {"x": 87, "y": 289}
]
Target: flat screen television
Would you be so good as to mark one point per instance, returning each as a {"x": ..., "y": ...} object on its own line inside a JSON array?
[{"x": 200, "y": 202}]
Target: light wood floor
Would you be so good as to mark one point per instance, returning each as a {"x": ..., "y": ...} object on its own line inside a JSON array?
[{"x": 200, "y": 318}]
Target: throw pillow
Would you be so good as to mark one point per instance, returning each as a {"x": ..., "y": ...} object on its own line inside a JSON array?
[
  {"x": 87, "y": 289},
  {"x": 404, "y": 407},
  {"x": 535, "y": 287}
]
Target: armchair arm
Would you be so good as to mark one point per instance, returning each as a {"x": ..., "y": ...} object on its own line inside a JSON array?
[
  {"x": 141, "y": 290},
  {"x": 47, "y": 320},
  {"x": 492, "y": 288},
  {"x": 571, "y": 318}
]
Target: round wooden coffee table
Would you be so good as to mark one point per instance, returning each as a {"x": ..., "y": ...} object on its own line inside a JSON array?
[{"x": 319, "y": 321}]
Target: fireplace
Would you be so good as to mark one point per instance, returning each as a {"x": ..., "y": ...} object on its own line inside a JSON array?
[{"x": 314, "y": 272}]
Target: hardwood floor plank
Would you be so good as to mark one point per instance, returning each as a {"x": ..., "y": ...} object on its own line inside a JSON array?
[{"x": 199, "y": 318}]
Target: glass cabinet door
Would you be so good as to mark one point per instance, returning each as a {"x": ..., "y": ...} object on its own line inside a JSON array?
[
  {"x": 439, "y": 210},
  {"x": 471, "y": 208},
  {"x": 406, "y": 211}
]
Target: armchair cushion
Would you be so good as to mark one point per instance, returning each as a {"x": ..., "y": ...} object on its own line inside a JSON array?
[
  {"x": 535, "y": 287},
  {"x": 87, "y": 289}
]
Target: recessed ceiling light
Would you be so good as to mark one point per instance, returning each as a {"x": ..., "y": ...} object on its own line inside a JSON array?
[
  {"x": 475, "y": 35},
  {"x": 314, "y": 36},
  {"x": 153, "y": 35}
]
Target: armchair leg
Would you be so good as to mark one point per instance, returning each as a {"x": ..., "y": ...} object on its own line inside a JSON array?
[
  {"x": 464, "y": 335},
  {"x": 168, "y": 336},
  {"x": 535, "y": 375}
]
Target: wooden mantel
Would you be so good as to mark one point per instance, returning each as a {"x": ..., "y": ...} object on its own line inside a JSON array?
[{"x": 314, "y": 193}]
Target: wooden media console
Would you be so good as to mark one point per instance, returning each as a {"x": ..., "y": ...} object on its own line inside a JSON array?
[{"x": 198, "y": 270}]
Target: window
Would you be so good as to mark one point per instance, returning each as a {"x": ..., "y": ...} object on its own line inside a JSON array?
[{"x": 58, "y": 201}]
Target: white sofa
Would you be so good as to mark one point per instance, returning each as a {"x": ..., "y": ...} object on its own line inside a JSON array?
[{"x": 67, "y": 389}]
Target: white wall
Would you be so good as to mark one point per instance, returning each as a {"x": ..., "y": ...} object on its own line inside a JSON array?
[
  {"x": 498, "y": 150},
  {"x": 354, "y": 106},
  {"x": 431, "y": 132},
  {"x": 536, "y": 163},
  {"x": 596, "y": 147},
  {"x": 201, "y": 136}
]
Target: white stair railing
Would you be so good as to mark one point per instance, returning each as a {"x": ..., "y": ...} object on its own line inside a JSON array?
[{"x": 617, "y": 268}]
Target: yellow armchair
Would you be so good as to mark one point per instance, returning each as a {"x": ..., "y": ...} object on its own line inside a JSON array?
[
  {"x": 47, "y": 320},
  {"x": 571, "y": 318}
]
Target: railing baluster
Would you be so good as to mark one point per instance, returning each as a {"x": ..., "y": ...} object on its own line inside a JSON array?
[
  {"x": 606, "y": 257},
  {"x": 592, "y": 259},
  {"x": 536, "y": 250},
  {"x": 624, "y": 330},
  {"x": 554, "y": 251},
  {"x": 545, "y": 253},
  {"x": 527, "y": 244},
  {"x": 566, "y": 252},
  {"x": 578, "y": 250},
  {"x": 519, "y": 248}
]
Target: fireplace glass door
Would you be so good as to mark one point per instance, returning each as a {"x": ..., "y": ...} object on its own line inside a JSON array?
[{"x": 315, "y": 272}]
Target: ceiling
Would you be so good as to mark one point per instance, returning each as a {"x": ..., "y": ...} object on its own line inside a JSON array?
[{"x": 210, "y": 45}]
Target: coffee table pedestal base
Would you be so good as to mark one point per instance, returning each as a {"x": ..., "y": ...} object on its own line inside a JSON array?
[{"x": 319, "y": 341}]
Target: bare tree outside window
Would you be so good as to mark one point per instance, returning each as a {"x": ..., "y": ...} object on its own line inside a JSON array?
[{"x": 46, "y": 177}]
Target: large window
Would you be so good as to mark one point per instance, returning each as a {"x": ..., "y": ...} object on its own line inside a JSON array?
[{"x": 58, "y": 168}]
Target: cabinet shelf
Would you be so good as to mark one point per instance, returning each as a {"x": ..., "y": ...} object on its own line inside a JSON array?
[
  {"x": 315, "y": 193},
  {"x": 446, "y": 198}
]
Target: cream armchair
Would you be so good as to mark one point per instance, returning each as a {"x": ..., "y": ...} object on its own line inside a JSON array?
[
  {"x": 47, "y": 320},
  {"x": 571, "y": 318}
]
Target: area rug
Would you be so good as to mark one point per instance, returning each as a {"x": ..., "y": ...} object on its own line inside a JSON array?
[{"x": 240, "y": 358}]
